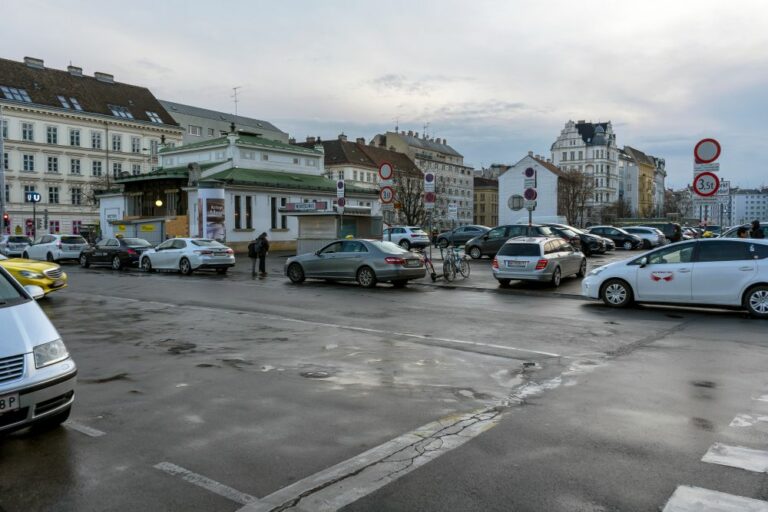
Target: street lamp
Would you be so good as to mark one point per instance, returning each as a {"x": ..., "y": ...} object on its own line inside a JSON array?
[{"x": 159, "y": 203}]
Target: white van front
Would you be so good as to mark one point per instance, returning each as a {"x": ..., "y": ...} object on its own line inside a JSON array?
[{"x": 37, "y": 375}]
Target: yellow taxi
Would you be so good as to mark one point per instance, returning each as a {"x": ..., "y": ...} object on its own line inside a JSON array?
[{"x": 47, "y": 276}]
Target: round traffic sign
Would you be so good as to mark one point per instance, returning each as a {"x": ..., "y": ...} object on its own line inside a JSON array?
[
  {"x": 340, "y": 184},
  {"x": 429, "y": 177},
  {"x": 706, "y": 151},
  {"x": 515, "y": 202},
  {"x": 385, "y": 171},
  {"x": 387, "y": 195},
  {"x": 429, "y": 197},
  {"x": 706, "y": 184},
  {"x": 530, "y": 194},
  {"x": 530, "y": 172},
  {"x": 341, "y": 202}
]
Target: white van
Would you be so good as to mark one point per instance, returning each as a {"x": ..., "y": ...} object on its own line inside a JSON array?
[{"x": 37, "y": 376}]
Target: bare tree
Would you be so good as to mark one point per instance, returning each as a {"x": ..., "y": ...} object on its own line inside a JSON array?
[
  {"x": 575, "y": 189},
  {"x": 678, "y": 202},
  {"x": 409, "y": 194}
]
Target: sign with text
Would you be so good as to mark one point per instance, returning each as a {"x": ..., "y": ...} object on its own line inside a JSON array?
[
  {"x": 32, "y": 197},
  {"x": 305, "y": 207}
]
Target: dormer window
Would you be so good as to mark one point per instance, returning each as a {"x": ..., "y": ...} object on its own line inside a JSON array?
[
  {"x": 64, "y": 102},
  {"x": 119, "y": 111},
  {"x": 154, "y": 117},
  {"x": 75, "y": 103},
  {"x": 12, "y": 93}
]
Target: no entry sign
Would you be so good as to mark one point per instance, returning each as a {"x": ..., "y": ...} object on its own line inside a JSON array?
[{"x": 706, "y": 151}]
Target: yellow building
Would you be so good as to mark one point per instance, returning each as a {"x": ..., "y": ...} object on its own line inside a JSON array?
[
  {"x": 646, "y": 169},
  {"x": 486, "y": 204}
]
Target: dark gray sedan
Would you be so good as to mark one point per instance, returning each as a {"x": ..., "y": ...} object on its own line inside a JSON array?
[{"x": 364, "y": 261}]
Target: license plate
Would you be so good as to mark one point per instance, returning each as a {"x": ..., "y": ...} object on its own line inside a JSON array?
[
  {"x": 57, "y": 283},
  {"x": 412, "y": 263},
  {"x": 9, "y": 403},
  {"x": 516, "y": 263}
]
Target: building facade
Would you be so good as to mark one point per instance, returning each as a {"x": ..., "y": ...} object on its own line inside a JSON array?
[
  {"x": 640, "y": 181},
  {"x": 200, "y": 124},
  {"x": 66, "y": 136},
  {"x": 454, "y": 179},
  {"x": 512, "y": 186},
  {"x": 486, "y": 203},
  {"x": 748, "y": 205}
]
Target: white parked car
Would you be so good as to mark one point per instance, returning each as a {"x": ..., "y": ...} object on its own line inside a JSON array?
[
  {"x": 37, "y": 376},
  {"x": 651, "y": 237},
  {"x": 703, "y": 272},
  {"x": 55, "y": 248},
  {"x": 187, "y": 255},
  {"x": 13, "y": 245},
  {"x": 406, "y": 236}
]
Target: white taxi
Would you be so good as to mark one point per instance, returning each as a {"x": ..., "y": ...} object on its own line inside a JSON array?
[{"x": 703, "y": 272}]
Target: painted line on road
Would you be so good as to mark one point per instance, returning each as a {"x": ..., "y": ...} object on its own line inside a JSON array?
[
  {"x": 83, "y": 429},
  {"x": 206, "y": 483},
  {"x": 696, "y": 499},
  {"x": 737, "y": 457},
  {"x": 747, "y": 420},
  {"x": 348, "y": 481}
]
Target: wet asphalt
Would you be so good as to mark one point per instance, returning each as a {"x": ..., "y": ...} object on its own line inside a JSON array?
[{"x": 253, "y": 385}]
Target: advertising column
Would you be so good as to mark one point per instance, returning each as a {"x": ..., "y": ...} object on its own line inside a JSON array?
[{"x": 210, "y": 210}]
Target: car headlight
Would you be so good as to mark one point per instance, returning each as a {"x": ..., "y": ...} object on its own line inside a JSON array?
[
  {"x": 596, "y": 271},
  {"x": 31, "y": 275},
  {"x": 50, "y": 353}
]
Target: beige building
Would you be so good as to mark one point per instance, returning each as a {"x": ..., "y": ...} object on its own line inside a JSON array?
[{"x": 486, "y": 204}]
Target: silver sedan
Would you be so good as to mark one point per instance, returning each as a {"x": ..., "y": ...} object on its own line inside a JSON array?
[{"x": 364, "y": 261}]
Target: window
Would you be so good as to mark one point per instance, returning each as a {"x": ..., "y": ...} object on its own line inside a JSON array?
[
  {"x": 117, "y": 142},
  {"x": 52, "y": 135},
  {"x": 117, "y": 168},
  {"x": 154, "y": 117},
  {"x": 237, "y": 212},
  {"x": 5, "y": 161},
  {"x": 311, "y": 162},
  {"x": 28, "y": 132},
  {"x": 724, "y": 251},
  {"x": 135, "y": 145},
  {"x": 5, "y": 128},
  {"x": 264, "y": 156},
  {"x": 674, "y": 254},
  {"x": 153, "y": 148},
  {"x": 12, "y": 93},
  {"x": 96, "y": 168},
  {"x": 76, "y": 197},
  {"x": 75, "y": 103},
  {"x": 54, "y": 226},
  {"x": 278, "y": 220},
  {"x": 77, "y": 225},
  {"x": 53, "y": 164},
  {"x": 53, "y": 195},
  {"x": 74, "y": 137},
  {"x": 195, "y": 130},
  {"x": 135, "y": 169},
  {"x": 211, "y": 132},
  {"x": 119, "y": 111},
  {"x": 28, "y": 163},
  {"x": 96, "y": 140},
  {"x": 354, "y": 175},
  {"x": 295, "y": 161}
]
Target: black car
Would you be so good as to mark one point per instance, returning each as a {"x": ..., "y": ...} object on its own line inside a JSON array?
[
  {"x": 115, "y": 252},
  {"x": 620, "y": 237},
  {"x": 461, "y": 235},
  {"x": 488, "y": 244},
  {"x": 587, "y": 243}
]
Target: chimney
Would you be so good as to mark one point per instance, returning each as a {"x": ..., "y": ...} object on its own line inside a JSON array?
[
  {"x": 530, "y": 153},
  {"x": 445, "y": 142},
  {"x": 342, "y": 137},
  {"x": 402, "y": 132},
  {"x": 32, "y": 62},
  {"x": 438, "y": 140},
  {"x": 75, "y": 71},
  {"x": 310, "y": 140},
  {"x": 416, "y": 134},
  {"x": 291, "y": 140},
  {"x": 104, "y": 77},
  {"x": 360, "y": 140}
]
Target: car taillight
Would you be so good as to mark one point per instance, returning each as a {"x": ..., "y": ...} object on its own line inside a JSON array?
[
  {"x": 394, "y": 261},
  {"x": 132, "y": 252},
  {"x": 230, "y": 251},
  {"x": 541, "y": 264},
  {"x": 495, "y": 264}
]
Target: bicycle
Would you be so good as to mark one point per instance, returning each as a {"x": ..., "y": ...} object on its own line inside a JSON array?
[{"x": 455, "y": 263}]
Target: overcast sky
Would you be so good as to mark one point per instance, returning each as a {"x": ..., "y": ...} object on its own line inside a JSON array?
[{"x": 497, "y": 79}]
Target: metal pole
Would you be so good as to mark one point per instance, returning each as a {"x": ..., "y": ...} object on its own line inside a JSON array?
[
  {"x": 2, "y": 175},
  {"x": 34, "y": 220}
]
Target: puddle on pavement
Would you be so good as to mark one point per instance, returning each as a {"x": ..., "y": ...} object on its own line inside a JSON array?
[
  {"x": 704, "y": 384},
  {"x": 703, "y": 424}
]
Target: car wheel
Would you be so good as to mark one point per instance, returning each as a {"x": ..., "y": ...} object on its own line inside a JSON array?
[
  {"x": 627, "y": 245},
  {"x": 84, "y": 261},
  {"x": 54, "y": 421},
  {"x": 221, "y": 271},
  {"x": 756, "y": 301},
  {"x": 442, "y": 242},
  {"x": 646, "y": 244},
  {"x": 616, "y": 293},
  {"x": 146, "y": 265},
  {"x": 25, "y": 255},
  {"x": 405, "y": 244},
  {"x": 582, "y": 268},
  {"x": 49, "y": 257},
  {"x": 504, "y": 282},
  {"x": 295, "y": 273},
  {"x": 185, "y": 267},
  {"x": 475, "y": 253},
  {"x": 116, "y": 263},
  {"x": 557, "y": 277},
  {"x": 401, "y": 283},
  {"x": 366, "y": 277}
]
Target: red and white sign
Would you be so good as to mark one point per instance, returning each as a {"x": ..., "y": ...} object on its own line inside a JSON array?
[
  {"x": 429, "y": 197},
  {"x": 386, "y": 171},
  {"x": 387, "y": 195},
  {"x": 341, "y": 202},
  {"x": 706, "y": 184},
  {"x": 530, "y": 194},
  {"x": 706, "y": 151}
]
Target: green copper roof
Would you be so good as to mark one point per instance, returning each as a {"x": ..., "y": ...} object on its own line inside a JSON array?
[
  {"x": 273, "y": 179},
  {"x": 180, "y": 171},
  {"x": 245, "y": 140}
]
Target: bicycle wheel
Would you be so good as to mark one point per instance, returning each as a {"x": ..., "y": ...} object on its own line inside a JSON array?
[
  {"x": 464, "y": 267},
  {"x": 449, "y": 270}
]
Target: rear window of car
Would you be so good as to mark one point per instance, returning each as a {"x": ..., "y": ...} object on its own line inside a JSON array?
[
  {"x": 19, "y": 239},
  {"x": 73, "y": 240},
  {"x": 136, "y": 242},
  {"x": 206, "y": 243},
  {"x": 418, "y": 231},
  {"x": 568, "y": 233},
  {"x": 389, "y": 247},
  {"x": 520, "y": 250}
]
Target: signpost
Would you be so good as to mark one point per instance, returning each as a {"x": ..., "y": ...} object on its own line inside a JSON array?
[
  {"x": 706, "y": 183},
  {"x": 340, "y": 203},
  {"x": 530, "y": 194},
  {"x": 34, "y": 198}
]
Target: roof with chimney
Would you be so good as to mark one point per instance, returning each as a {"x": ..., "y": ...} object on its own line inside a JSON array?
[
  {"x": 256, "y": 124},
  {"x": 588, "y": 132},
  {"x": 639, "y": 157},
  {"x": 486, "y": 183},
  {"x": 343, "y": 152},
  {"x": 413, "y": 140},
  {"x": 243, "y": 140},
  {"x": 549, "y": 166},
  {"x": 30, "y": 82}
]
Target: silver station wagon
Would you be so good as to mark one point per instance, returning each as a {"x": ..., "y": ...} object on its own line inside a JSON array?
[{"x": 537, "y": 259}]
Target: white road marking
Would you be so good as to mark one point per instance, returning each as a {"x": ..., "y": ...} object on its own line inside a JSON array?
[
  {"x": 737, "y": 457},
  {"x": 84, "y": 429},
  {"x": 747, "y": 420},
  {"x": 206, "y": 483},
  {"x": 762, "y": 398},
  {"x": 696, "y": 499},
  {"x": 348, "y": 481}
]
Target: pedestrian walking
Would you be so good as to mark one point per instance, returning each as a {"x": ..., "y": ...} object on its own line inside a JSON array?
[
  {"x": 677, "y": 233},
  {"x": 262, "y": 249},
  {"x": 757, "y": 231},
  {"x": 253, "y": 253}
]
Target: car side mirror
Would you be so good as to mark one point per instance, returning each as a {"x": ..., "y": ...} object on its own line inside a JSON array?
[
  {"x": 36, "y": 292},
  {"x": 643, "y": 262},
  {"x": 317, "y": 253}
]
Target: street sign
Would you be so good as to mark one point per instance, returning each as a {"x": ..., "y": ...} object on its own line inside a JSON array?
[
  {"x": 32, "y": 197},
  {"x": 386, "y": 171},
  {"x": 706, "y": 151},
  {"x": 453, "y": 211},
  {"x": 516, "y": 202},
  {"x": 530, "y": 205},
  {"x": 429, "y": 182},
  {"x": 697, "y": 168},
  {"x": 530, "y": 194},
  {"x": 341, "y": 202},
  {"x": 386, "y": 195},
  {"x": 706, "y": 184},
  {"x": 429, "y": 197},
  {"x": 340, "y": 188}
]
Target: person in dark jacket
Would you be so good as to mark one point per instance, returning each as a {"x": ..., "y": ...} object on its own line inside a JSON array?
[
  {"x": 262, "y": 249},
  {"x": 677, "y": 233},
  {"x": 757, "y": 231}
]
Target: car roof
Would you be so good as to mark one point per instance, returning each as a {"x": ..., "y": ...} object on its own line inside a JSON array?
[{"x": 529, "y": 239}]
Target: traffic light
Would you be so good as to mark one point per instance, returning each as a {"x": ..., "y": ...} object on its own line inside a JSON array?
[{"x": 7, "y": 219}]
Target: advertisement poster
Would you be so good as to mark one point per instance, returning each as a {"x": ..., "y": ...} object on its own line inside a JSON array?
[{"x": 214, "y": 221}]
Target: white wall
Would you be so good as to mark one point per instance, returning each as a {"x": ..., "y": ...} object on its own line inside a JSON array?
[
  {"x": 512, "y": 181},
  {"x": 111, "y": 207}
]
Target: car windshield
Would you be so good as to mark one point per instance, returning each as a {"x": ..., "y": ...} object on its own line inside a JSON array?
[
  {"x": 19, "y": 239},
  {"x": 206, "y": 243},
  {"x": 136, "y": 242},
  {"x": 520, "y": 250},
  {"x": 569, "y": 233},
  {"x": 390, "y": 247},
  {"x": 544, "y": 230},
  {"x": 8, "y": 292},
  {"x": 73, "y": 240}
]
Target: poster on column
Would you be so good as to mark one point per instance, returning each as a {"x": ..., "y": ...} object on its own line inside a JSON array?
[{"x": 211, "y": 214}]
